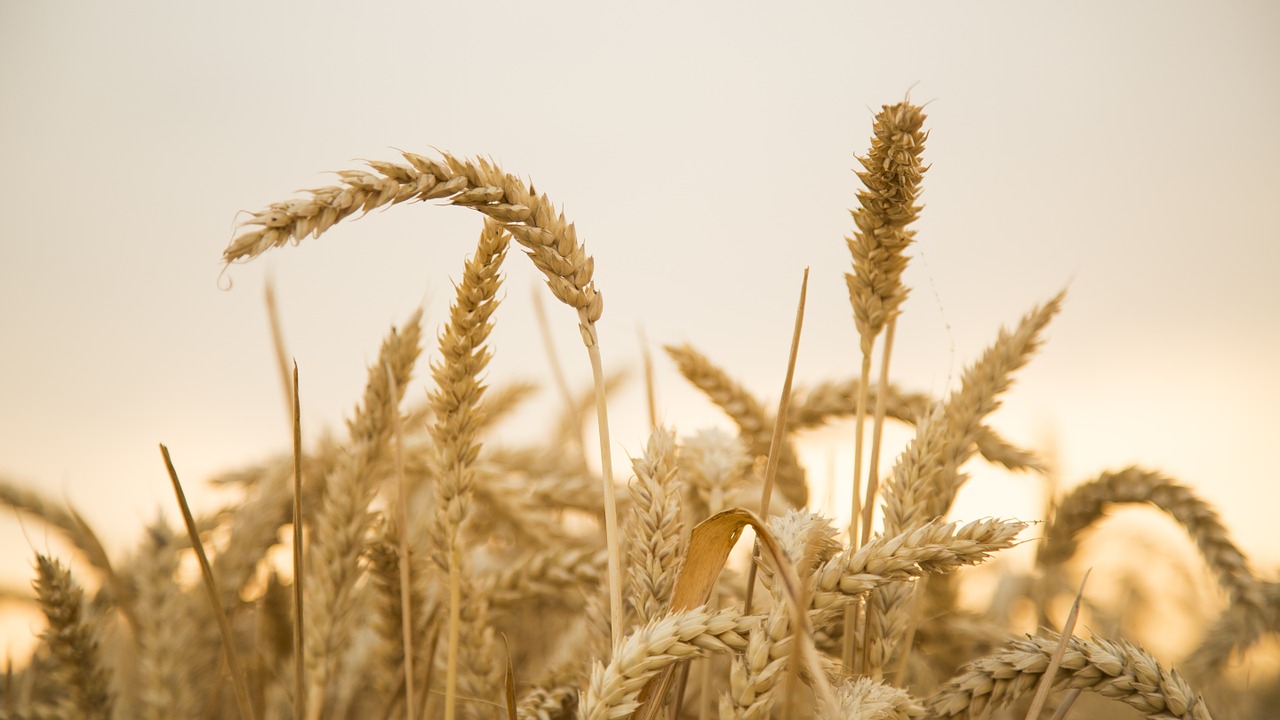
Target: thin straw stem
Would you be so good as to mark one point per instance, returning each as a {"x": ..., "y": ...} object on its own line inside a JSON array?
[
  {"x": 649, "y": 397},
  {"x": 1067, "y": 701},
  {"x": 277, "y": 345},
  {"x": 1046, "y": 680},
  {"x": 553, "y": 358},
  {"x": 877, "y": 428},
  {"x": 779, "y": 430},
  {"x": 299, "y": 667},
  {"x": 592, "y": 340},
  {"x": 238, "y": 678},
  {"x": 855, "y": 509}
]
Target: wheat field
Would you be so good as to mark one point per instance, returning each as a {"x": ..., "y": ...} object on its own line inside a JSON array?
[{"x": 415, "y": 566}]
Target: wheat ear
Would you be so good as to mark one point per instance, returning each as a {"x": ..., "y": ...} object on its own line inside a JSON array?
[
  {"x": 1087, "y": 504},
  {"x": 531, "y": 219},
  {"x": 713, "y": 463},
  {"x": 816, "y": 405},
  {"x": 163, "y": 629},
  {"x": 747, "y": 413},
  {"x": 343, "y": 520},
  {"x": 927, "y": 476},
  {"x": 866, "y": 699},
  {"x": 456, "y": 401},
  {"x": 614, "y": 689},
  {"x": 654, "y": 526},
  {"x": 806, "y": 540},
  {"x": 1117, "y": 670},
  {"x": 935, "y": 547},
  {"x": 891, "y": 174},
  {"x": 71, "y": 640}
]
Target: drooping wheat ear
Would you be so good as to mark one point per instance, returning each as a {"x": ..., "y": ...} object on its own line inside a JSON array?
[
  {"x": 1088, "y": 503},
  {"x": 457, "y": 405},
  {"x": 1236, "y": 630},
  {"x": 891, "y": 173},
  {"x": 72, "y": 642},
  {"x": 164, "y": 630},
  {"x": 666, "y": 639},
  {"x": 750, "y": 416},
  {"x": 654, "y": 526},
  {"x": 479, "y": 184},
  {"x": 550, "y": 240},
  {"x": 866, "y": 699},
  {"x": 343, "y": 519},
  {"x": 1117, "y": 670}
]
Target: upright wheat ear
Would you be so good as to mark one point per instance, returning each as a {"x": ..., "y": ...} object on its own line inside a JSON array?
[
  {"x": 891, "y": 174},
  {"x": 72, "y": 641}
]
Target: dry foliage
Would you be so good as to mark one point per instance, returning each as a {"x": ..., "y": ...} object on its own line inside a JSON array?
[{"x": 436, "y": 559}]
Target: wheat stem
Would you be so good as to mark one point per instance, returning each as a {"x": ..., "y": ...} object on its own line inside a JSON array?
[
  {"x": 779, "y": 428},
  {"x": 877, "y": 428},
  {"x": 591, "y": 338},
  {"x": 299, "y": 649},
  {"x": 239, "y": 679}
]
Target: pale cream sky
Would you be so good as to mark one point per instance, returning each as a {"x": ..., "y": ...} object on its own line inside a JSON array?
[{"x": 705, "y": 152}]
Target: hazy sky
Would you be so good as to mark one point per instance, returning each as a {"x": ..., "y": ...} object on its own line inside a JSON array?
[{"x": 705, "y": 152}]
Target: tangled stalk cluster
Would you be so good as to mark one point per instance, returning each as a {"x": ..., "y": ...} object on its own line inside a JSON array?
[{"x": 439, "y": 573}]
